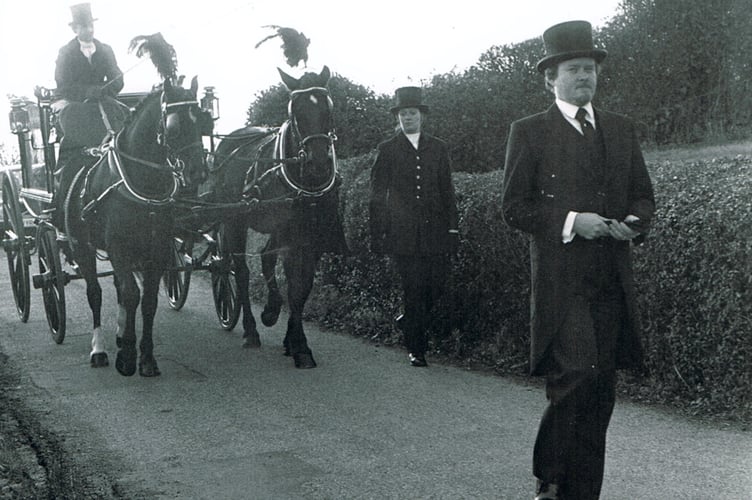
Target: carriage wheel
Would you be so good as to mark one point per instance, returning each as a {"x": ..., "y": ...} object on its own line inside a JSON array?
[
  {"x": 178, "y": 280},
  {"x": 224, "y": 287},
  {"x": 14, "y": 243},
  {"x": 51, "y": 280}
]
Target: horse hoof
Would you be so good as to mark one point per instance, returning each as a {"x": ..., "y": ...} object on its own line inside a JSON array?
[
  {"x": 252, "y": 341},
  {"x": 126, "y": 362},
  {"x": 99, "y": 360},
  {"x": 304, "y": 360},
  {"x": 149, "y": 369},
  {"x": 269, "y": 316}
]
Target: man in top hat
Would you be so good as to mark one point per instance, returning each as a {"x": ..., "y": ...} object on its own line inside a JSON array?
[
  {"x": 575, "y": 181},
  {"x": 86, "y": 70},
  {"x": 413, "y": 215}
]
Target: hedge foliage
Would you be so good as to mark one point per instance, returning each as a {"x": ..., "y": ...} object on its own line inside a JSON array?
[{"x": 694, "y": 279}]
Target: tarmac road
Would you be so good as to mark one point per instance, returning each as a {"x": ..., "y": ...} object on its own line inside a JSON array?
[{"x": 226, "y": 422}]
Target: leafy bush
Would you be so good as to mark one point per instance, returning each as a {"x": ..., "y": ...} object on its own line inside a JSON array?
[{"x": 694, "y": 279}]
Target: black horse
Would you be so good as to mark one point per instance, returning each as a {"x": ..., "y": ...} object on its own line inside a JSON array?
[
  {"x": 126, "y": 205},
  {"x": 290, "y": 175}
]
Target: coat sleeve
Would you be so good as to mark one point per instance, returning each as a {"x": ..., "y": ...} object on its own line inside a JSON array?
[
  {"x": 378, "y": 217},
  {"x": 641, "y": 196},
  {"x": 114, "y": 76},
  {"x": 65, "y": 77},
  {"x": 521, "y": 204}
]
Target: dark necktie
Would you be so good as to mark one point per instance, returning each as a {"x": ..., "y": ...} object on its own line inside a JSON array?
[{"x": 587, "y": 127}]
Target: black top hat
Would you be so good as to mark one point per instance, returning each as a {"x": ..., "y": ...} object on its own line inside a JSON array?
[
  {"x": 569, "y": 40},
  {"x": 81, "y": 14},
  {"x": 408, "y": 97}
]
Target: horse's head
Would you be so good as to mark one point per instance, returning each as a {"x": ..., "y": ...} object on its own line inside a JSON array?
[
  {"x": 182, "y": 124},
  {"x": 309, "y": 130}
]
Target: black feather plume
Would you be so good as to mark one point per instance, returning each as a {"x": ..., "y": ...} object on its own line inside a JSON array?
[
  {"x": 162, "y": 53},
  {"x": 294, "y": 44}
]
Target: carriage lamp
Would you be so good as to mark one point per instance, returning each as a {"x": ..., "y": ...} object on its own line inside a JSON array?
[
  {"x": 210, "y": 102},
  {"x": 19, "y": 116}
]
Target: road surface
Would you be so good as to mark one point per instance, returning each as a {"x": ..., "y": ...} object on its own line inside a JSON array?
[{"x": 226, "y": 422}]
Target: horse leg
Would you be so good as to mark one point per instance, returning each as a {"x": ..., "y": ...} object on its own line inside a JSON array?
[
  {"x": 147, "y": 366},
  {"x": 273, "y": 306},
  {"x": 236, "y": 239},
  {"x": 87, "y": 266},
  {"x": 128, "y": 298},
  {"x": 299, "y": 269}
]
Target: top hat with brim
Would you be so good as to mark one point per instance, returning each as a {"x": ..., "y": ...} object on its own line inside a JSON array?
[
  {"x": 408, "y": 97},
  {"x": 81, "y": 14},
  {"x": 569, "y": 40}
]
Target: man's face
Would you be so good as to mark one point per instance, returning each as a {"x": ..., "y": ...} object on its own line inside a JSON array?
[
  {"x": 576, "y": 81},
  {"x": 409, "y": 119},
  {"x": 84, "y": 32}
]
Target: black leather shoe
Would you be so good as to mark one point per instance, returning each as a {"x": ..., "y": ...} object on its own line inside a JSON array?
[
  {"x": 547, "y": 491},
  {"x": 417, "y": 359}
]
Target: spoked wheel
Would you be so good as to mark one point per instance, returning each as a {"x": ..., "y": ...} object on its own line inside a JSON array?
[
  {"x": 16, "y": 249},
  {"x": 51, "y": 279},
  {"x": 178, "y": 279},
  {"x": 224, "y": 287}
]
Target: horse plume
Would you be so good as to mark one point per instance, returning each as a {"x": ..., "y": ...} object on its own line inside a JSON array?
[
  {"x": 294, "y": 44},
  {"x": 162, "y": 54}
]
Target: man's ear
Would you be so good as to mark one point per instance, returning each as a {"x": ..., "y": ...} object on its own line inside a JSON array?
[{"x": 550, "y": 86}]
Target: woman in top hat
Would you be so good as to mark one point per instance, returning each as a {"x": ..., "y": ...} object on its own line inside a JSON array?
[
  {"x": 413, "y": 215},
  {"x": 576, "y": 181}
]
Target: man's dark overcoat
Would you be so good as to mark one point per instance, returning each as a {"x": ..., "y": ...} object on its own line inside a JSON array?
[
  {"x": 74, "y": 74},
  {"x": 412, "y": 204},
  {"x": 541, "y": 188}
]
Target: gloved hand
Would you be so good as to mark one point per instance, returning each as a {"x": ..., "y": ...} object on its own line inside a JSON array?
[
  {"x": 93, "y": 93},
  {"x": 454, "y": 242}
]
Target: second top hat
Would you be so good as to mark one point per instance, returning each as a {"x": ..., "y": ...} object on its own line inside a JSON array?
[
  {"x": 81, "y": 14},
  {"x": 569, "y": 40},
  {"x": 408, "y": 97}
]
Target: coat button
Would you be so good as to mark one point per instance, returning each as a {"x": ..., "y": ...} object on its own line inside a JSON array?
[{"x": 417, "y": 177}]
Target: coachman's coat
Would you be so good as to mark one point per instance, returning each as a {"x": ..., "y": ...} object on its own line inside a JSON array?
[
  {"x": 541, "y": 186},
  {"x": 74, "y": 74},
  {"x": 412, "y": 204}
]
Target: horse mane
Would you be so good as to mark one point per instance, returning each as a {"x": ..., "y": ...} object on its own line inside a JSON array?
[
  {"x": 162, "y": 54},
  {"x": 141, "y": 104}
]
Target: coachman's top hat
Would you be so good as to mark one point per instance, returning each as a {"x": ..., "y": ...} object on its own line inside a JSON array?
[
  {"x": 408, "y": 97},
  {"x": 81, "y": 14},
  {"x": 569, "y": 40}
]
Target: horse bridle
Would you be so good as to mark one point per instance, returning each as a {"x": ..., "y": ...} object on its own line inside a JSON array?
[
  {"x": 302, "y": 157},
  {"x": 175, "y": 163}
]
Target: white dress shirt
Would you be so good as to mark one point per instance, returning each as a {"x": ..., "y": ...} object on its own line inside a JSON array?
[{"x": 569, "y": 111}]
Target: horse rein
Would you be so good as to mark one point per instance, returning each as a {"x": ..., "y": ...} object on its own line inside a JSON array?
[{"x": 174, "y": 164}]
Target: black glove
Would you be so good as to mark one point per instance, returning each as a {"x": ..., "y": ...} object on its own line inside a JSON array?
[{"x": 454, "y": 243}]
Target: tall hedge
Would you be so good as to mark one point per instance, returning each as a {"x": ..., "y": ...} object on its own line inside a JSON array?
[{"x": 694, "y": 278}]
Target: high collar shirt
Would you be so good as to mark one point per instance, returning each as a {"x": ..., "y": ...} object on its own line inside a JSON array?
[
  {"x": 87, "y": 49},
  {"x": 414, "y": 139},
  {"x": 570, "y": 110}
]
